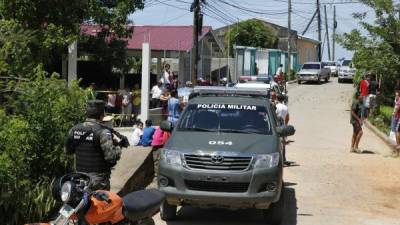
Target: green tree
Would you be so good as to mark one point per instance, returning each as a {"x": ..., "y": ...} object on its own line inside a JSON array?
[
  {"x": 377, "y": 47},
  {"x": 56, "y": 23},
  {"x": 252, "y": 33}
]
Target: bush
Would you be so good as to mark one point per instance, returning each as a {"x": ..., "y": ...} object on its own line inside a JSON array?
[{"x": 31, "y": 145}]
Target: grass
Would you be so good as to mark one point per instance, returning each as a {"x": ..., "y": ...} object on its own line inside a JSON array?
[{"x": 383, "y": 119}]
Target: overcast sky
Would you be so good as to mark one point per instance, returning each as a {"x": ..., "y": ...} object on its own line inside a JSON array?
[{"x": 220, "y": 13}]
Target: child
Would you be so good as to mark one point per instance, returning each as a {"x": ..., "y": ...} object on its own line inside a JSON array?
[
  {"x": 148, "y": 132},
  {"x": 137, "y": 134}
]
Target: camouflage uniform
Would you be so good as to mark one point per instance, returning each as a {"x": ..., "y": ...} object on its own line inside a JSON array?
[{"x": 111, "y": 153}]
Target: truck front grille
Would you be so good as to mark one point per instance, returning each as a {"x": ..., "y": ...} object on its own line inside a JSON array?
[
  {"x": 207, "y": 162},
  {"x": 216, "y": 186}
]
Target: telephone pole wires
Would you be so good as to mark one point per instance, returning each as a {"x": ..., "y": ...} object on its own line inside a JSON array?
[
  {"x": 327, "y": 34},
  {"x": 289, "y": 34},
  {"x": 319, "y": 31},
  {"x": 195, "y": 51},
  {"x": 334, "y": 33}
]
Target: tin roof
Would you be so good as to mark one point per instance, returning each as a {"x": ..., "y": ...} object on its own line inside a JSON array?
[{"x": 169, "y": 38}]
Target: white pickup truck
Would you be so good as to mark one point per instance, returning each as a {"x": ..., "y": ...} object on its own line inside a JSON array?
[
  {"x": 346, "y": 71},
  {"x": 313, "y": 71}
]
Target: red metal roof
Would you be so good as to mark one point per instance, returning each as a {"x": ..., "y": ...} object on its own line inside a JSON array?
[{"x": 170, "y": 38}]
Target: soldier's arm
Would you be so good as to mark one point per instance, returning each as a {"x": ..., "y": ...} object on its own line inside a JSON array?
[
  {"x": 111, "y": 152},
  {"x": 68, "y": 145}
]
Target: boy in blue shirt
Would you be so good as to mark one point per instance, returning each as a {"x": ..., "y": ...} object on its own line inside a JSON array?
[{"x": 148, "y": 132}]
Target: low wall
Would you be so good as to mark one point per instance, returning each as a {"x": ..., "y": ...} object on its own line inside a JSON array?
[{"x": 134, "y": 171}]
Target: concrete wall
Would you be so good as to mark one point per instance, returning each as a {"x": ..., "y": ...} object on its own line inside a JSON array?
[{"x": 307, "y": 51}]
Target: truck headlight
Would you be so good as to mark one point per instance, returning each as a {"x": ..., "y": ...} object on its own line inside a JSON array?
[
  {"x": 171, "y": 157},
  {"x": 267, "y": 161}
]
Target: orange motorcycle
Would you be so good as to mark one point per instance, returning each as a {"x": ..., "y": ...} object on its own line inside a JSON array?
[{"x": 85, "y": 207}]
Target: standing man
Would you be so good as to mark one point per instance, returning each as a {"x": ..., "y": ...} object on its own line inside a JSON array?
[
  {"x": 356, "y": 121},
  {"x": 282, "y": 113},
  {"x": 96, "y": 149},
  {"x": 364, "y": 90},
  {"x": 373, "y": 90},
  {"x": 174, "y": 108},
  {"x": 136, "y": 100},
  {"x": 155, "y": 95}
]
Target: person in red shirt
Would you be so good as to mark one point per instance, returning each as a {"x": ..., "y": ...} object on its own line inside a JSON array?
[{"x": 364, "y": 92}]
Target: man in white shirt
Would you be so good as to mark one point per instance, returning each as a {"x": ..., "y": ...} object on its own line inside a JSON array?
[
  {"x": 155, "y": 95},
  {"x": 282, "y": 113},
  {"x": 137, "y": 134},
  {"x": 165, "y": 80}
]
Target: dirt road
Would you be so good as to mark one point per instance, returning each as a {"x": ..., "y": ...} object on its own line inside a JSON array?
[{"x": 327, "y": 185}]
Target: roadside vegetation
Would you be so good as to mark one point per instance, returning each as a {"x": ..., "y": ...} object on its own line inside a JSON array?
[
  {"x": 377, "y": 50},
  {"x": 37, "y": 108}
]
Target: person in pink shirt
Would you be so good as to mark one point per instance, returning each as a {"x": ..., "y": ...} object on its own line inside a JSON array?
[
  {"x": 364, "y": 92},
  {"x": 396, "y": 115}
]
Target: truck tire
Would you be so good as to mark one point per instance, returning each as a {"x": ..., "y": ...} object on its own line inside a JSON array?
[
  {"x": 339, "y": 80},
  {"x": 299, "y": 81},
  {"x": 319, "y": 80},
  {"x": 326, "y": 79},
  {"x": 167, "y": 211},
  {"x": 274, "y": 215}
]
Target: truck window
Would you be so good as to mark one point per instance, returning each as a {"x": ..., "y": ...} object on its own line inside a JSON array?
[
  {"x": 226, "y": 118},
  {"x": 311, "y": 66}
]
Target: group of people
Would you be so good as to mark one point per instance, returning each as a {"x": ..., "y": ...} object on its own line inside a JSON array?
[
  {"x": 364, "y": 101},
  {"x": 282, "y": 114}
]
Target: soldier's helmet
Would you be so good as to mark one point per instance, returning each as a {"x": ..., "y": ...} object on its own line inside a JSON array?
[{"x": 95, "y": 109}]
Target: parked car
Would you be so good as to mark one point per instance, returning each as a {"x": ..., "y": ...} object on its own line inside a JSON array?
[
  {"x": 224, "y": 152},
  {"x": 259, "y": 82},
  {"x": 333, "y": 66},
  {"x": 346, "y": 71},
  {"x": 313, "y": 71}
]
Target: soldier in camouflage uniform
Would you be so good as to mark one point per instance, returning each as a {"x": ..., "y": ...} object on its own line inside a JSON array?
[{"x": 95, "y": 147}]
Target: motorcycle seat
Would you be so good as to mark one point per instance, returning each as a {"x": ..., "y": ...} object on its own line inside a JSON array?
[{"x": 142, "y": 204}]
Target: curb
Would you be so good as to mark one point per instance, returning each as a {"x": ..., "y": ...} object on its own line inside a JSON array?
[{"x": 380, "y": 134}]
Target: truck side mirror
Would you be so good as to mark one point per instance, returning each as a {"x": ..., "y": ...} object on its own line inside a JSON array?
[
  {"x": 285, "y": 131},
  {"x": 166, "y": 126}
]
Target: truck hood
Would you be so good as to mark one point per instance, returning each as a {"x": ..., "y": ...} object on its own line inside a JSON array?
[{"x": 211, "y": 142}]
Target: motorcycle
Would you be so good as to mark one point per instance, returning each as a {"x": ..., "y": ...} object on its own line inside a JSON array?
[{"x": 86, "y": 207}]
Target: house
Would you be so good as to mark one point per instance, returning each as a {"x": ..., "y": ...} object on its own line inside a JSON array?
[
  {"x": 308, "y": 49},
  {"x": 173, "y": 45},
  {"x": 302, "y": 48}
]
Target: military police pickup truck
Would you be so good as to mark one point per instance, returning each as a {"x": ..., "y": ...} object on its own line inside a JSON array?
[{"x": 224, "y": 152}]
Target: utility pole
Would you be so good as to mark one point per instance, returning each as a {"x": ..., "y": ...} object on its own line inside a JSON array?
[
  {"x": 319, "y": 31},
  {"x": 334, "y": 33},
  {"x": 327, "y": 34},
  {"x": 195, "y": 53},
  {"x": 289, "y": 34}
]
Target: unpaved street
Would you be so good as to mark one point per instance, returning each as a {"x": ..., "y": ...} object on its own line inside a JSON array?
[{"x": 327, "y": 185}]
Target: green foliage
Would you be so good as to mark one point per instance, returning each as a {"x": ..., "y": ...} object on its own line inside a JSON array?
[
  {"x": 252, "y": 33},
  {"x": 16, "y": 56},
  {"x": 31, "y": 144},
  {"x": 35, "y": 32},
  {"x": 379, "y": 50}
]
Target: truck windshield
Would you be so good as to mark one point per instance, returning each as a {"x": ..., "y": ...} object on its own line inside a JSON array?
[
  {"x": 226, "y": 118},
  {"x": 312, "y": 66},
  {"x": 346, "y": 63}
]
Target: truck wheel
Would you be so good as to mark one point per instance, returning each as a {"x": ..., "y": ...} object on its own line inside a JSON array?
[
  {"x": 274, "y": 215},
  {"x": 299, "y": 81},
  {"x": 339, "y": 80},
  {"x": 326, "y": 79},
  {"x": 167, "y": 211},
  {"x": 319, "y": 80}
]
